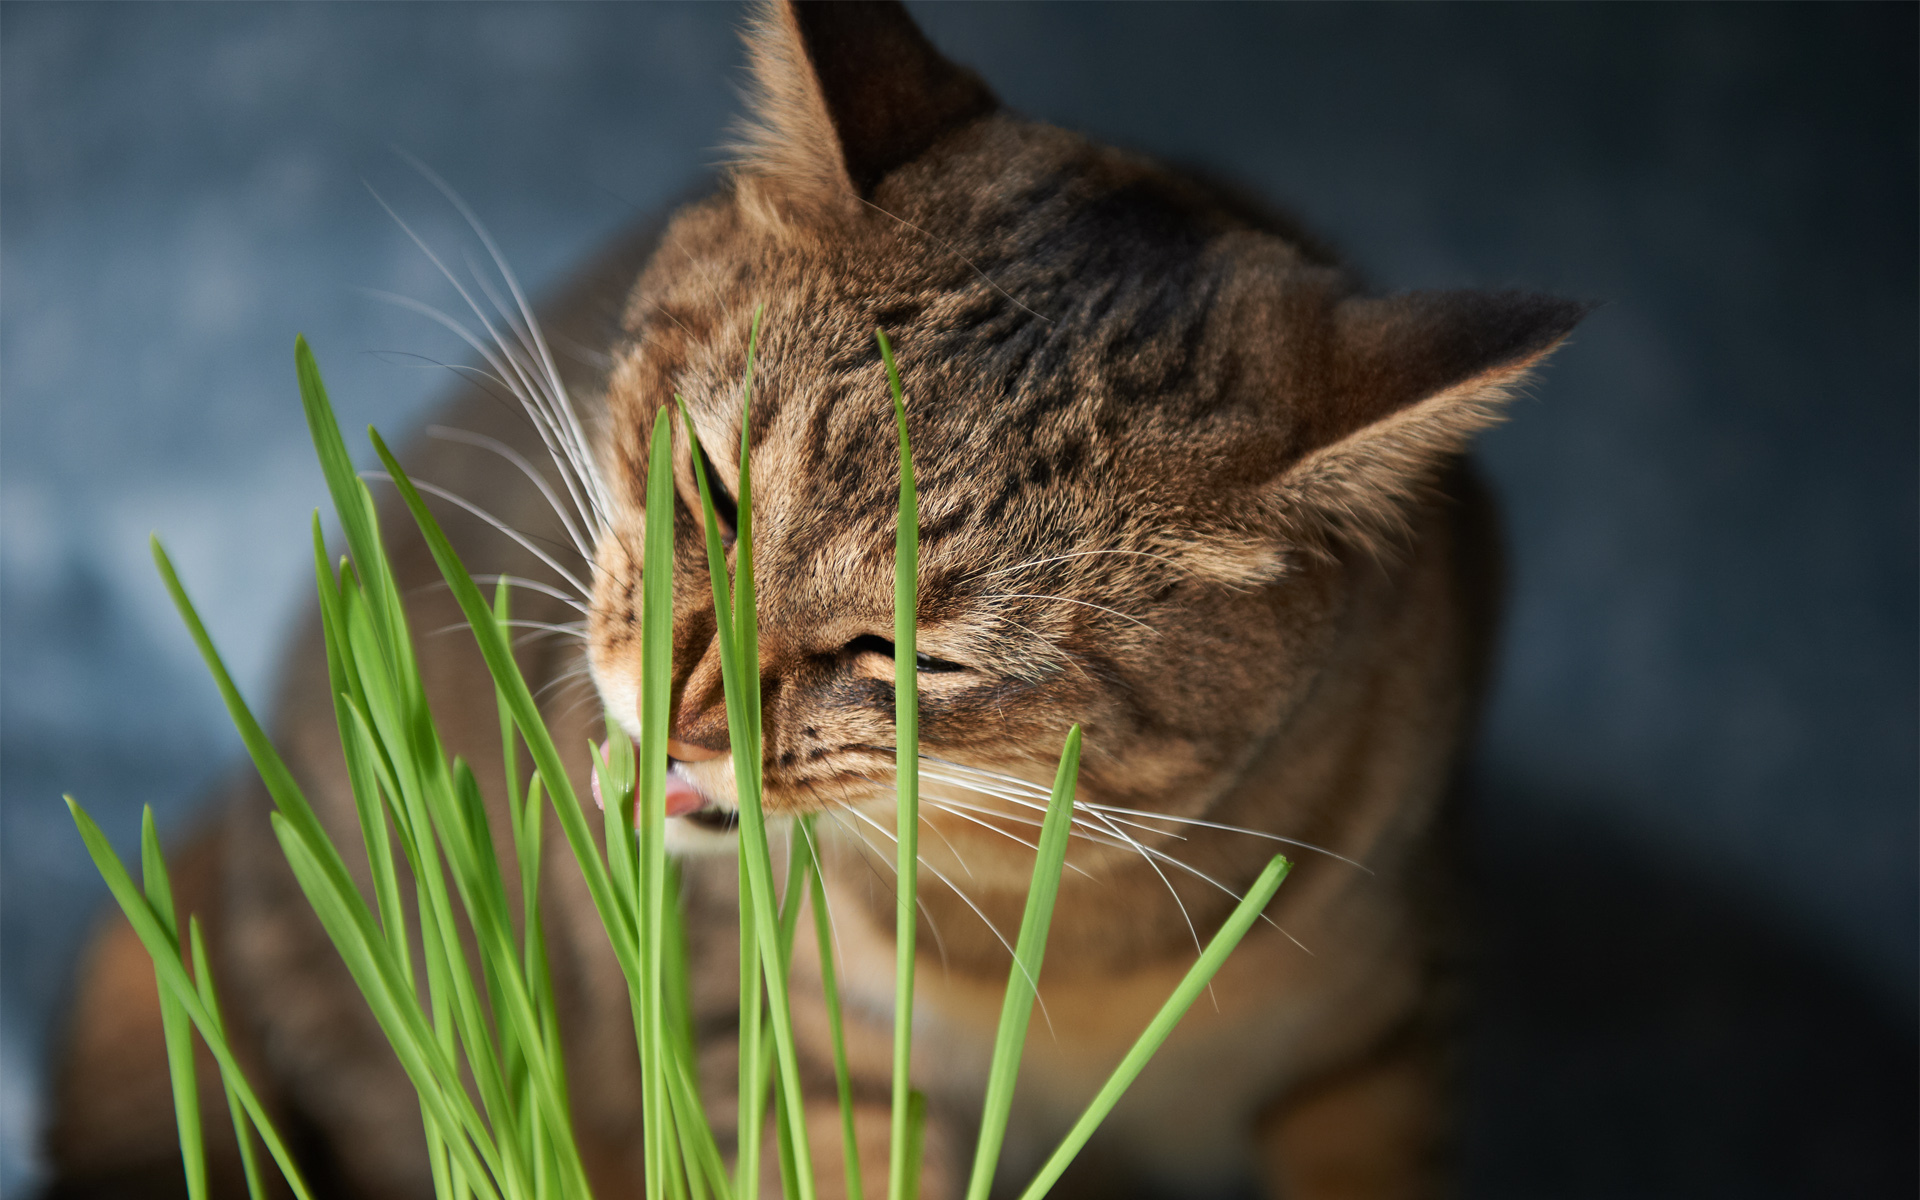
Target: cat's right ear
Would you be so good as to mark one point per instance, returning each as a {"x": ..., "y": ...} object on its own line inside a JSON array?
[
  {"x": 1402, "y": 385},
  {"x": 844, "y": 91}
]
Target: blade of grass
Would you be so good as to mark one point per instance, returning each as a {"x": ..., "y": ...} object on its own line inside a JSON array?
[
  {"x": 799, "y": 870},
  {"x": 742, "y": 686},
  {"x": 242, "y": 1124},
  {"x": 1016, "y": 1009},
  {"x": 746, "y": 1175},
  {"x": 830, "y": 986},
  {"x": 916, "y": 1141},
  {"x": 906, "y": 723},
  {"x": 1157, "y": 1031},
  {"x": 360, "y": 759},
  {"x": 656, "y": 672},
  {"x": 172, "y": 974},
  {"x": 176, "y": 1029}
]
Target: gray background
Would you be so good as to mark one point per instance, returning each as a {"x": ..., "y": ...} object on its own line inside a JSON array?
[{"x": 1695, "y": 826}]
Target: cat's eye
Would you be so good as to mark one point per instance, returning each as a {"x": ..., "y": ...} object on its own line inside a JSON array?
[
  {"x": 725, "y": 511},
  {"x": 870, "y": 644}
]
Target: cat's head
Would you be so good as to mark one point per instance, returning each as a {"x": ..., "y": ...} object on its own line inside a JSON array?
[{"x": 1149, "y": 426}]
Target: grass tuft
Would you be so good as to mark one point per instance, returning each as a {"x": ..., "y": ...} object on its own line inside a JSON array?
[{"x": 464, "y": 997}]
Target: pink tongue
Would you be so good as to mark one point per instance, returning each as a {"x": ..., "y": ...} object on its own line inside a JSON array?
[{"x": 682, "y": 797}]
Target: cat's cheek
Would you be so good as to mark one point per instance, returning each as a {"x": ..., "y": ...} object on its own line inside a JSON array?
[{"x": 619, "y": 691}]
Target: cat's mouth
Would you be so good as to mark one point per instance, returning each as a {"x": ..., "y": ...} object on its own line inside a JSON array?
[{"x": 686, "y": 802}]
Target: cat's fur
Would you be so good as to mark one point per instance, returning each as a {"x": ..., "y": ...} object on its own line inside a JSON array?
[{"x": 1181, "y": 482}]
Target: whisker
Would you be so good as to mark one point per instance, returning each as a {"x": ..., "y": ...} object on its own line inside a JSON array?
[
  {"x": 542, "y": 425},
  {"x": 957, "y": 809},
  {"x": 571, "y": 628},
  {"x": 1015, "y": 781},
  {"x": 534, "y": 585},
  {"x": 819, "y": 865},
  {"x": 590, "y": 473},
  {"x": 577, "y": 675},
  {"x": 1070, "y": 600},
  {"x": 984, "y": 277},
  {"x": 1081, "y": 822},
  {"x": 531, "y": 388},
  {"x": 1149, "y": 855},
  {"x": 968, "y": 900},
  {"x": 482, "y": 441},
  {"x": 1038, "y": 792},
  {"x": 524, "y": 542},
  {"x": 1041, "y": 562},
  {"x": 951, "y": 849},
  {"x": 1259, "y": 833},
  {"x": 486, "y": 380},
  {"x": 871, "y": 854}
]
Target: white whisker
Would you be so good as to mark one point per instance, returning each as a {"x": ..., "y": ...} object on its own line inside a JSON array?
[
  {"x": 984, "y": 277},
  {"x": 955, "y": 808},
  {"x": 1038, "y": 792},
  {"x": 951, "y": 849},
  {"x": 871, "y": 854},
  {"x": 1272, "y": 837},
  {"x": 968, "y": 900},
  {"x": 820, "y": 866},
  {"x": 534, "y": 585},
  {"x": 574, "y": 534},
  {"x": 521, "y": 539},
  {"x": 1070, "y": 600},
  {"x": 550, "y": 435},
  {"x": 589, "y": 471},
  {"x": 1041, "y": 562}
]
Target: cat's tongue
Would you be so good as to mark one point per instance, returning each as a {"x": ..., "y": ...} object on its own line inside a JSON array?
[{"x": 682, "y": 797}]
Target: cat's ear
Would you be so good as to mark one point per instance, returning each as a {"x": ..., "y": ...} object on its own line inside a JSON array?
[
  {"x": 1404, "y": 385},
  {"x": 844, "y": 91}
]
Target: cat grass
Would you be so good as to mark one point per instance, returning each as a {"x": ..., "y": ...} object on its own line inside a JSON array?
[{"x": 459, "y": 979}]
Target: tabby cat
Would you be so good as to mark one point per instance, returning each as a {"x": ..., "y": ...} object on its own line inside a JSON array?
[{"x": 1181, "y": 482}]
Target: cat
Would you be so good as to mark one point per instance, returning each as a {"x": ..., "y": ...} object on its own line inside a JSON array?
[{"x": 1182, "y": 483}]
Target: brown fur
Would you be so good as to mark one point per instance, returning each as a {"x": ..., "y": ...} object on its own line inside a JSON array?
[{"x": 1181, "y": 483}]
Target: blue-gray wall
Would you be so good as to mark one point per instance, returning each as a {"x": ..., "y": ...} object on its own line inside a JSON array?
[{"x": 1696, "y": 828}]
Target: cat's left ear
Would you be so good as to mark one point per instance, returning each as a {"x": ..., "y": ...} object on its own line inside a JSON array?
[
  {"x": 845, "y": 91},
  {"x": 1403, "y": 386}
]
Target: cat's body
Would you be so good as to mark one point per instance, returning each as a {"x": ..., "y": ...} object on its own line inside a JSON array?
[{"x": 1180, "y": 484}]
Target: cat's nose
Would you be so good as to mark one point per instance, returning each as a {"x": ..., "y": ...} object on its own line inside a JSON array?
[{"x": 688, "y": 752}]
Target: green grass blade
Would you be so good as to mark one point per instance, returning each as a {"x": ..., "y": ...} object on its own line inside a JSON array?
[
  {"x": 279, "y": 781},
  {"x": 830, "y": 985},
  {"x": 357, "y": 512},
  {"x": 747, "y": 1141},
  {"x": 296, "y": 824},
  {"x": 906, "y": 717},
  {"x": 799, "y": 871},
  {"x": 916, "y": 1142},
  {"x": 656, "y": 680},
  {"x": 242, "y": 1125},
  {"x": 742, "y": 686},
  {"x": 175, "y": 1027},
  {"x": 1238, "y": 922},
  {"x": 1017, "y": 1008},
  {"x": 362, "y": 774},
  {"x": 172, "y": 973}
]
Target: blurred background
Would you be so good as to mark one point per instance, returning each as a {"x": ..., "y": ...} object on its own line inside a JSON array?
[{"x": 1695, "y": 811}]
